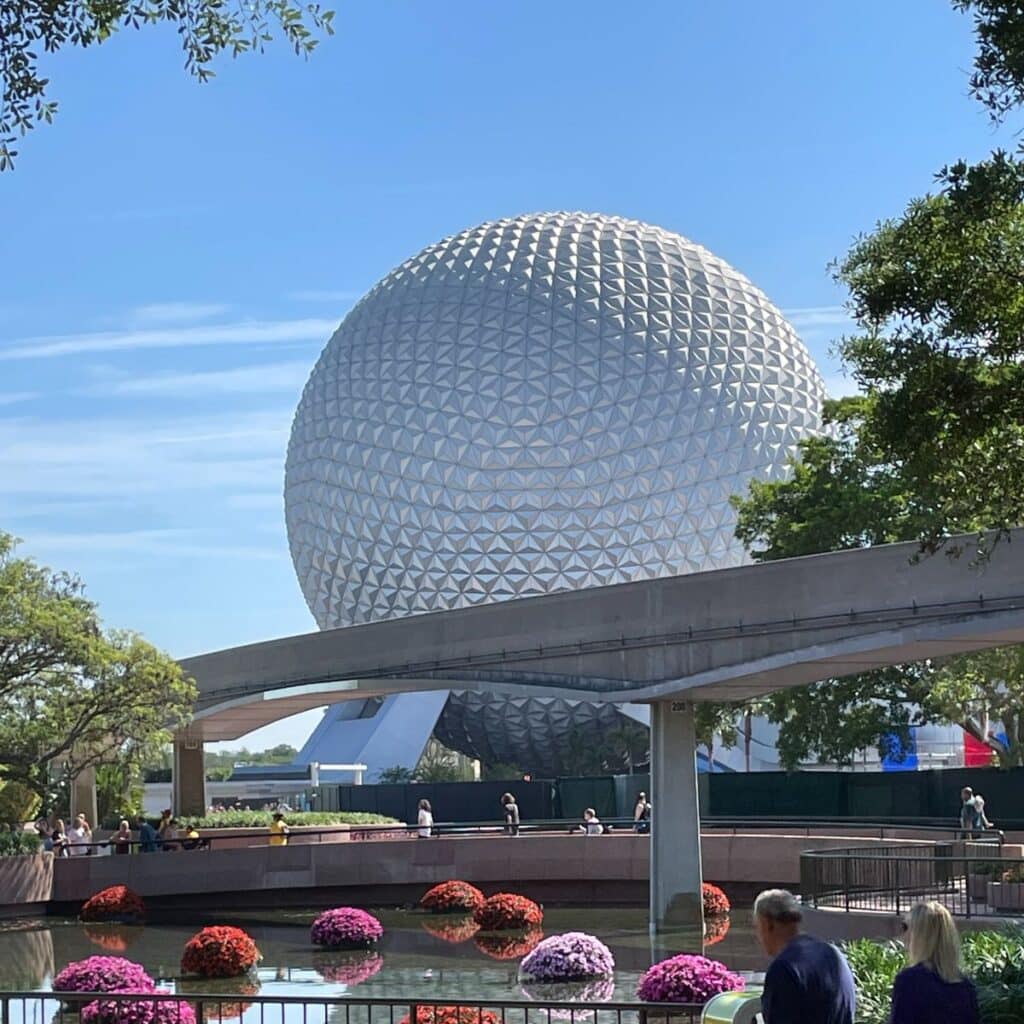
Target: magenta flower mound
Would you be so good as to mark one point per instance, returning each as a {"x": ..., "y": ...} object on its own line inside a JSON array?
[
  {"x": 345, "y": 927},
  {"x": 569, "y": 957},
  {"x": 103, "y": 974},
  {"x": 686, "y": 979},
  {"x": 138, "y": 1011}
]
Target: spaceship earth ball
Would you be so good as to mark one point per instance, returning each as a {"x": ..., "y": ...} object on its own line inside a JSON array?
[{"x": 543, "y": 403}]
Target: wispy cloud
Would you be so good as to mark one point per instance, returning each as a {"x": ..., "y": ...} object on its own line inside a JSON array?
[
  {"x": 268, "y": 378},
  {"x": 175, "y": 312},
  {"x": 806, "y": 317},
  {"x": 159, "y": 543},
  {"x": 243, "y": 333},
  {"x": 13, "y": 397},
  {"x": 193, "y": 459},
  {"x": 326, "y": 295}
]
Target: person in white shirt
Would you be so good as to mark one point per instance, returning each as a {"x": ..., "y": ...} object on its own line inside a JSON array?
[
  {"x": 80, "y": 837},
  {"x": 424, "y": 819},
  {"x": 591, "y": 822}
]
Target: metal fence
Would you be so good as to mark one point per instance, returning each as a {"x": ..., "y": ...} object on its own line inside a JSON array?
[
  {"x": 166, "y": 1008},
  {"x": 971, "y": 878}
]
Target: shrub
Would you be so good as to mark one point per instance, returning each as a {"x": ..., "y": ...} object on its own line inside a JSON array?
[
  {"x": 114, "y": 938},
  {"x": 686, "y": 979},
  {"x": 345, "y": 928},
  {"x": 573, "y": 956},
  {"x": 116, "y": 903},
  {"x": 103, "y": 974},
  {"x": 451, "y": 897},
  {"x": 219, "y": 951},
  {"x": 716, "y": 902},
  {"x": 262, "y": 819},
  {"x": 509, "y": 946},
  {"x": 450, "y": 1015},
  {"x": 19, "y": 844},
  {"x": 18, "y": 803},
  {"x": 504, "y": 911},
  {"x": 451, "y": 929},
  {"x": 138, "y": 1011},
  {"x": 348, "y": 969}
]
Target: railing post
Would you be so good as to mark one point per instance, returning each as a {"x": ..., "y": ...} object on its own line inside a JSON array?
[
  {"x": 896, "y": 863},
  {"x": 846, "y": 881}
]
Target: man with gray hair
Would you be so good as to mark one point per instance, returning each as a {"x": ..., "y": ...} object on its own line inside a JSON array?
[{"x": 808, "y": 981}]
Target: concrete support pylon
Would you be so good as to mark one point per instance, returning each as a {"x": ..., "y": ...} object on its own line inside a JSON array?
[
  {"x": 83, "y": 796},
  {"x": 675, "y": 890},
  {"x": 188, "y": 790}
]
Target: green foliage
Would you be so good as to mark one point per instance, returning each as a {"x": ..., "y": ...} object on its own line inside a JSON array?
[
  {"x": 437, "y": 766},
  {"x": 71, "y": 692},
  {"x": 119, "y": 793},
  {"x": 206, "y": 29},
  {"x": 994, "y": 960},
  {"x": 257, "y": 819},
  {"x": 396, "y": 774},
  {"x": 501, "y": 771},
  {"x": 874, "y": 966},
  {"x": 18, "y": 803},
  {"x": 17, "y": 844},
  {"x": 998, "y": 78}
]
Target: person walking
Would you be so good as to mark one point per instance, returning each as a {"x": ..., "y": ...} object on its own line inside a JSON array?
[
  {"x": 511, "y": 811},
  {"x": 279, "y": 831},
  {"x": 424, "y": 819},
  {"x": 932, "y": 986},
  {"x": 979, "y": 810},
  {"x": 148, "y": 839},
  {"x": 642, "y": 814},
  {"x": 808, "y": 980},
  {"x": 969, "y": 823}
]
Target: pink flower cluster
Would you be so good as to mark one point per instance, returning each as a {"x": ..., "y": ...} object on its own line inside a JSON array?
[
  {"x": 569, "y": 957},
  {"x": 686, "y": 979},
  {"x": 103, "y": 974},
  {"x": 114, "y": 974},
  {"x": 345, "y": 927}
]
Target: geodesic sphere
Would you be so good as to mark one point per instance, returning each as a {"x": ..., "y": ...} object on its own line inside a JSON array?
[{"x": 549, "y": 402}]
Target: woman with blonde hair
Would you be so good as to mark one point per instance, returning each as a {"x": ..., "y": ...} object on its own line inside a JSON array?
[{"x": 932, "y": 986}]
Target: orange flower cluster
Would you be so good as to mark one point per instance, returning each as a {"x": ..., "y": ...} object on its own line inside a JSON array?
[
  {"x": 116, "y": 903},
  {"x": 219, "y": 951},
  {"x": 452, "y": 897},
  {"x": 505, "y": 911}
]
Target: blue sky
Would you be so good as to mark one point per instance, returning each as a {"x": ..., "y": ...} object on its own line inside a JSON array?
[{"x": 174, "y": 256}]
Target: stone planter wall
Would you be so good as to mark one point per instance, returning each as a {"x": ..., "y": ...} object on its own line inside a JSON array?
[
  {"x": 1006, "y": 895},
  {"x": 26, "y": 883}
]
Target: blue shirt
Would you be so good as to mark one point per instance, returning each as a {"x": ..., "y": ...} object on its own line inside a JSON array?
[
  {"x": 809, "y": 982},
  {"x": 147, "y": 837},
  {"x": 920, "y": 996}
]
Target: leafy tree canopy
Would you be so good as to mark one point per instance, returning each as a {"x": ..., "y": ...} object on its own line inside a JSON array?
[
  {"x": 71, "y": 691},
  {"x": 206, "y": 29}
]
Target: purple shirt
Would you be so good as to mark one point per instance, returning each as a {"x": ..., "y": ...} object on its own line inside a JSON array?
[{"x": 920, "y": 996}]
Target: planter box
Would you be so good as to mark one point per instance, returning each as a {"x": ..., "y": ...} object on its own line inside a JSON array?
[
  {"x": 977, "y": 888},
  {"x": 1006, "y": 895}
]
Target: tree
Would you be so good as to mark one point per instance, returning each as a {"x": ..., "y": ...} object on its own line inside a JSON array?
[
  {"x": 395, "y": 774},
  {"x": 206, "y": 28},
  {"x": 70, "y": 692}
]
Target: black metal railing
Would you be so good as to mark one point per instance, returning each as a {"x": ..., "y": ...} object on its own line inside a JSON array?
[
  {"x": 208, "y": 839},
  {"x": 970, "y": 877},
  {"x": 66, "y": 1008}
]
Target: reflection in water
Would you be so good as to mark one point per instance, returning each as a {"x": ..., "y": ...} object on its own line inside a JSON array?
[
  {"x": 228, "y": 1007},
  {"x": 347, "y": 969},
  {"x": 421, "y": 956},
  {"x": 113, "y": 938}
]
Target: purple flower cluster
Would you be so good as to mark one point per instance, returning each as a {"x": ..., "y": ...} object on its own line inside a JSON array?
[
  {"x": 351, "y": 969},
  {"x": 568, "y": 957},
  {"x": 103, "y": 974},
  {"x": 345, "y": 927},
  {"x": 138, "y": 1011},
  {"x": 686, "y": 979}
]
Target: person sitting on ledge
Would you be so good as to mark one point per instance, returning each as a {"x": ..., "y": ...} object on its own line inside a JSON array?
[
  {"x": 278, "y": 831},
  {"x": 809, "y": 981}
]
